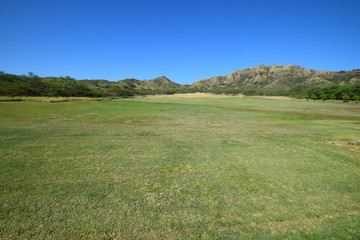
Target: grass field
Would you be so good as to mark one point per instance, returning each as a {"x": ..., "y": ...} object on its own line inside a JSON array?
[{"x": 179, "y": 167}]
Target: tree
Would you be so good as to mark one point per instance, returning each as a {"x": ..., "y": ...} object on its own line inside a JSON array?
[
  {"x": 31, "y": 75},
  {"x": 323, "y": 96},
  {"x": 314, "y": 97},
  {"x": 345, "y": 97}
]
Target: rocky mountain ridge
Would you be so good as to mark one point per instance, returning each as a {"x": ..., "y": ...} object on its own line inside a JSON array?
[
  {"x": 262, "y": 77},
  {"x": 279, "y": 77}
]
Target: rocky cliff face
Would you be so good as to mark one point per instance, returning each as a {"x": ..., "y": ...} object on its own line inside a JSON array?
[
  {"x": 276, "y": 77},
  {"x": 271, "y": 77}
]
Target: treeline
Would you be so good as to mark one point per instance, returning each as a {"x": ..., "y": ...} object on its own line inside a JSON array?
[
  {"x": 336, "y": 92},
  {"x": 115, "y": 91},
  {"x": 33, "y": 85},
  {"x": 346, "y": 93}
]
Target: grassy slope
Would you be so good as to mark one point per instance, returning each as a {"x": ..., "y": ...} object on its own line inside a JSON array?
[{"x": 157, "y": 168}]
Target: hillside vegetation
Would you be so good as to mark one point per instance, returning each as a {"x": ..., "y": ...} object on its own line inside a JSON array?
[
  {"x": 280, "y": 77},
  {"x": 33, "y": 85},
  {"x": 289, "y": 80},
  {"x": 154, "y": 84}
]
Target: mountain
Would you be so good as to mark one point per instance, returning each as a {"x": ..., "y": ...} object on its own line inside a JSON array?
[
  {"x": 269, "y": 80},
  {"x": 158, "y": 83},
  {"x": 279, "y": 77}
]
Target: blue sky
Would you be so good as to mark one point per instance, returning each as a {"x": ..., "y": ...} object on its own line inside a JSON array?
[{"x": 183, "y": 40}]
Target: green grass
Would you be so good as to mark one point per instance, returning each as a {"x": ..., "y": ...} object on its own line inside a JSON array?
[
  {"x": 49, "y": 99},
  {"x": 172, "y": 168}
]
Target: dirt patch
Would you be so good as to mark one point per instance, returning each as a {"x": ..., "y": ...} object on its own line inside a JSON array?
[{"x": 353, "y": 145}]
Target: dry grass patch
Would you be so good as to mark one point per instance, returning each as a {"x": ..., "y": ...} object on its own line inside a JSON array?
[
  {"x": 352, "y": 145},
  {"x": 273, "y": 97},
  {"x": 193, "y": 95}
]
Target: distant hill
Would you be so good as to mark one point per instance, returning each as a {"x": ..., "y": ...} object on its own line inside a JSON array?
[
  {"x": 279, "y": 77},
  {"x": 159, "y": 83},
  {"x": 289, "y": 80}
]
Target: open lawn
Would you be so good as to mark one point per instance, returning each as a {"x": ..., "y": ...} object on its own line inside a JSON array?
[{"x": 179, "y": 167}]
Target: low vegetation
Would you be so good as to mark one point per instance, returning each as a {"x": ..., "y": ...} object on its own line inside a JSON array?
[
  {"x": 334, "y": 92},
  {"x": 179, "y": 167},
  {"x": 345, "y": 93},
  {"x": 32, "y": 85}
]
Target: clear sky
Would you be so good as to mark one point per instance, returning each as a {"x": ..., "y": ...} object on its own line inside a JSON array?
[{"x": 185, "y": 40}]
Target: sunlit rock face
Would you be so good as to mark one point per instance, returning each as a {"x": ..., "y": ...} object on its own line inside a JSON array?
[{"x": 276, "y": 76}]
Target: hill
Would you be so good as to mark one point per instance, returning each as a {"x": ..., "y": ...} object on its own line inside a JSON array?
[
  {"x": 159, "y": 83},
  {"x": 32, "y": 85},
  {"x": 279, "y": 77},
  {"x": 289, "y": 80}
]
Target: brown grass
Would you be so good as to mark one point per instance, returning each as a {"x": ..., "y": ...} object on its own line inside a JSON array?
[
  {"x": 346, "y": 144},
  {"x": 273, "y": 97},
  {"x": 194, "y": 95}
]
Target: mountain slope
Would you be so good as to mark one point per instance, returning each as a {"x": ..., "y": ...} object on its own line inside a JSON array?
[
  {"x": 158, "y": 83},
  {"x": 279, "y": 77}
]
